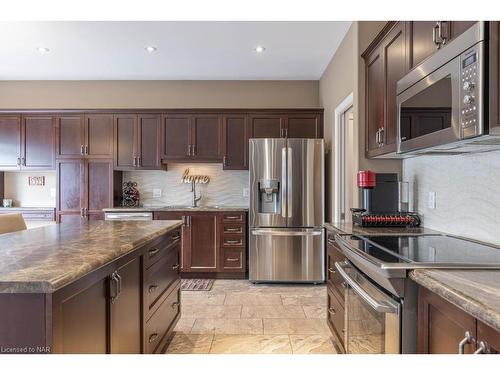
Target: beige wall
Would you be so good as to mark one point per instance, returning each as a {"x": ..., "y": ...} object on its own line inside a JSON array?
[
  {"x": 158, "y": 94},
  {"x": 345, "y": 75},
  {"x": 24, "y": 195}
]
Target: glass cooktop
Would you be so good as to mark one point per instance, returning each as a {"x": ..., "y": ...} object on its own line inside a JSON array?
[{"x": 437, "y": 250}]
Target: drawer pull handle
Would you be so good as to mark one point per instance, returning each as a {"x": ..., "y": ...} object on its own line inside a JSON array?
[
  {"x": 332, "y": 311},
  {"x": 175, "y": 267},
  {"x": 232, "y": 229},
  {"x": 233, "y": 217},
  {"x": 153, "y": 252},
  {"x": 233, "y": 242},
  {"x": 331, "y": 270},
  {"x": 344, "y": 284},
  {"x": 152, "y": 288},
  {"x": 153, "y": 337},
  {"x": 465, "y": 341},
  {"x": 232, "y": 259},
  {"x": 175, "y": 304},
  {"x": 175, "y": 238}
]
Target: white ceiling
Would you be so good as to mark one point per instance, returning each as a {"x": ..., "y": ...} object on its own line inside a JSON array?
[{"x": 186, "y": 50}]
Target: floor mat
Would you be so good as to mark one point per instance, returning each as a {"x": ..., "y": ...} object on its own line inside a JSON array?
[{"x": 197, "y": 284}]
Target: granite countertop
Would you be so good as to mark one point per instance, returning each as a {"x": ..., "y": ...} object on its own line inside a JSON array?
[
  {"x": 27, "y": 208},
  {"x": 475, "y": 291},
  {"x": 42, "y": 260},
  {"x": 175, "y": 208}
]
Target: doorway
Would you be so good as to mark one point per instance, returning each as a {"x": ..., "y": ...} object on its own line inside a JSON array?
[{"x": 346, "y": 160}]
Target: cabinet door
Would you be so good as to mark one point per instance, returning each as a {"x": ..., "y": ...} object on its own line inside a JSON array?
[
  {"x": 207, "y": 138},
  {"x": 395, "y": 68},
  {"x": 149, "y": 141},
  {"x": 374, "y": 99},
  {"x": 303, "y": 126},
  {"x": 80, "y": 321},
  {"x": 266, "y": 126},
  {"x": 125, "y": 151},
  {"x": 458, "y": 27},
  {"x": 10, "y": 142},
  {"x": 419, "y": 40},
  {"x": 70, "y": 189},
  {"x": 201, "y": 255},
  {"x": 99, "y": 136},
  {"x": 38, "y": 142},
  {"x": 235, "y": 142},
  {"x": 99, "y": 187},
  {"x": 178, "y": 215},
  {"x": 489, "y": 336},
  {"x": 175, "y": 137},
  {"x": 441, "y": 325},
  {"x": 125, "y": 309},
  {"x": 70, "y": 137}
]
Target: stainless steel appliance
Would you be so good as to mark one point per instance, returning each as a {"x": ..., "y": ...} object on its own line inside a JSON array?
[
  {"x": 286, "y": 210},
  {"x": 382, "y": 299},
  {"x": 441, "y": 103},
  {"x": 128, "y": 216}
]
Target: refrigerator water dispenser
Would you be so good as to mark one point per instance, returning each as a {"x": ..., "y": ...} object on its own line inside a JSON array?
[{"x": 269, "y": 201}]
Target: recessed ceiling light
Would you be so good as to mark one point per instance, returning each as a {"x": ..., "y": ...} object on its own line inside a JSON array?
[
  {"x": 151, "y": 49},
  {"x": 259, "y": 49},
  {"x": 43, "y": 49}
]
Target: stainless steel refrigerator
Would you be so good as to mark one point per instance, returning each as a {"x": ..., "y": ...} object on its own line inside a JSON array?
[{"x": 286, "y": 210}]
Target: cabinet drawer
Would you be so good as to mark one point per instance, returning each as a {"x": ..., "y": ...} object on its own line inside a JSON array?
[
  {"x": 160, "y": 277},
  {"x": 335, "y": 317},
  {"x": 158, "y": 325},
  {"x": 334, "y": 280},
  {"x": 233, "y": 259},
  {"x": 233, "y": 217},
  {"x": 155, "y": 250},
  {"x": 233, "y": 241},
  {"x": 232, "y": 228}
]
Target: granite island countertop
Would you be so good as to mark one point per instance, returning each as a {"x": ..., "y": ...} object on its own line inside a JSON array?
[
  {"x": 475, "y": 291},
  {"x": 43, "y": 260},
  {"x": 175, "y": 208}
]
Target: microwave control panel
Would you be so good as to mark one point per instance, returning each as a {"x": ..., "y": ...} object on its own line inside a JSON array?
[{"x": 470, "y": 75}]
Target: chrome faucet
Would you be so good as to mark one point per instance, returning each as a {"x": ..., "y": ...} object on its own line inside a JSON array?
[{"x": 195, "y": 198}]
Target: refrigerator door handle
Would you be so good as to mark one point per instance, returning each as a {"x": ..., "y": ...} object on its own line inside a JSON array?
[
  {"x": 289, "y": 183},
  {"x": 273, "y": 232},
  {"x": 284, "y": 183}
]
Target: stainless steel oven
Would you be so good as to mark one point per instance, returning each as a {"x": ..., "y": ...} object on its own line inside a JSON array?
[
  {"x": 441, "y": 104},
  {"x": 372, "y": 317}
]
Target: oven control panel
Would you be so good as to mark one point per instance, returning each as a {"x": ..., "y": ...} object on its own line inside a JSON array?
[{"x": 470, "y": 78}]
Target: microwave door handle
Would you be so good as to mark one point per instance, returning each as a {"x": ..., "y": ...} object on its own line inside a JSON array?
[
  {"x": 376, "y": 305},
  {"x": 284, "y": 185}
]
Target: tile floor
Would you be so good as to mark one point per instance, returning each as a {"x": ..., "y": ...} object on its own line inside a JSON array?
[{"x": 238, "y": 317}]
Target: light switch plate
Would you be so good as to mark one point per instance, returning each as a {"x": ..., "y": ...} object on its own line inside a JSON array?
[
  {"x": 431, "y": 203},
  {"x": 156, "y": 193},
  {"x": 246, "y": 192}
]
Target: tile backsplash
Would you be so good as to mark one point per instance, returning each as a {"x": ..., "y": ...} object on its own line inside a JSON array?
[
  {"x": 467, "y": 191},
  {"x": 224, "y": 188}
]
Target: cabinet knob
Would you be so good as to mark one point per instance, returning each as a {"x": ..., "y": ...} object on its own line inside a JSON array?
[
  {"x": 175, "y": 267},
  {"x": 331, "y": 270},
  {"x": 175, "y": 304},
  {"x": 332, "y": 311},
  {"x": 152, "y": 288},
  {"x": 152, "y": 337}
]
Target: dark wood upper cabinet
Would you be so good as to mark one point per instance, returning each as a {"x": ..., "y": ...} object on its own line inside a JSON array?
[
  {"x": 458, "y": 27},
  {"x": 70, "y": 136},
  {"x": 175, "y": 137},
  {"x": 38, "y": 142},
  {"x": 304, "y": 126},
  {"x": 206, "y": 137},
  {"x": 374, "y": 115},
  {"x": 235, "y": 142},
  {"x": 10, "y": 142},
  {"x": 125, "y": 145},
  {"x": 125, "y": 309},
  {"x": 99, "y": 136},
  {"x": 148, "y": 141},
  {"x": 267, "y": 126}
]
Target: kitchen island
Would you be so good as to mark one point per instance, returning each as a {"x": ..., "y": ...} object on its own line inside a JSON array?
[{"x": 94, "y": 287}]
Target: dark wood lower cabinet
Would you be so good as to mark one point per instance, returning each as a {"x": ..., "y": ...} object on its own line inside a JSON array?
[
  {"x": 214, "y": 244},
  {"x": 443, "y": 328},
  {"x": 105, "y": 311}
]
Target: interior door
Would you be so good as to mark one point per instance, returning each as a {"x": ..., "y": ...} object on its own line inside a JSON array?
[
  {"x": 305, "y": 179},
  {"x": 10, "y": 142},
  {"x": 70, "y": 136},
  {"x": 38, "y": 137}
]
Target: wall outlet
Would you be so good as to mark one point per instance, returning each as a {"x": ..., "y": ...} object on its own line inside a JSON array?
[
  {"x": 52, "y": 192},
  {"x": 431, "y": 201},
  {"x": 246, "y": 192},
  {"x": 156, "y": 193}
]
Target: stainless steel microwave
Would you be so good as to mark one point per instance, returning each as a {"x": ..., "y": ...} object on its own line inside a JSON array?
[{"x": 441, "y": 103}]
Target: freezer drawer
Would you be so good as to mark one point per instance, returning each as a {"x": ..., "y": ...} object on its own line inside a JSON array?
[{"x": 287, "y": 255}]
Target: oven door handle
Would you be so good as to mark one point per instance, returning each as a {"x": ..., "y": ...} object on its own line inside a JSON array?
[{"x": 386, "y": 306}]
